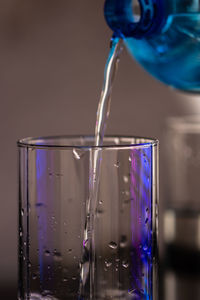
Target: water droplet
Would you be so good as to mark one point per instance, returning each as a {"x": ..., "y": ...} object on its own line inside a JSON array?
[
  {"x": 47, "y": 253},
  {"x": 123, "y": 241},
  {"x": 125, "y": 264},
  {"x": 136, "y": 292},
  {"x": 47, "y": 293},
  {"x": 100, "y": 201},
  {"x": 22, "y": 212},
  {"x": 29, "y": 265},
  {"x": 34, "y": 276},
  {"x": 57, "y": 256},
  {"x": 78, "y": 153},
  {"x": 100, "y": 212},
  {"x": 59, "y": 174},
  {"x": 127, "y": 193},
  {"x": 65, "y": 279},
  {"x": 147, "y": 209},
  {"x": 146, "y": 221},
  {"x": 130, "y": 159},
  {"x": 85, "y": 243},
  {"x": 74, "y": 278},
  {"x": 20, "y": 233},
  {"x": 108, "y": 263},
  {"x": 39, "y": 204},
  {"x": 70, "y": 250},
  {"x": 117, "y": 165},
  {"x": 125, "y": 178},
  {"x": 145, "y": 248},
  {"x": 112, "y": 245},
  {"x": 117, "y": 259}
]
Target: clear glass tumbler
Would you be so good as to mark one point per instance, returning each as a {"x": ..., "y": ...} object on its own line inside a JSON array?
[
  {"x": 55, "y": 206},
  {"x": 182, "y": 205}
]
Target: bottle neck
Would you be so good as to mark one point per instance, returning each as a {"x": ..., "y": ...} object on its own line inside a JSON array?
[{"x": 134, "y": 18}]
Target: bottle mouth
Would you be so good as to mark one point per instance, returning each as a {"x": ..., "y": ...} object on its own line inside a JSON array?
[{"x": 133, "y": 18}]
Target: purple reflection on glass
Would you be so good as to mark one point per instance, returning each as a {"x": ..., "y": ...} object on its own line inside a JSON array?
[
  {"x": 43, "y": 206},
  {"x": 141, "y": 228}
]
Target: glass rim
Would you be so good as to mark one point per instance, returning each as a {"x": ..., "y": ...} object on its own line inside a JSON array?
[{"x": 31, "y": 142}]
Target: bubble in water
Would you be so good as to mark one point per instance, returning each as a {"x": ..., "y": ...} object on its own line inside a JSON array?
[
  {"x": 130, "y": 159},
  {"x": 34, "y": 276},
  {"x": 125, "y": 264},
  {"x": 147, "y": 209},
  {"x": 70, "y": 250},
  {"x": 47, "y": 253},
  {"x": 117, "y": 259},
  {"x": 108, "y": 263},
  {"x": 146, "y": 221},
  {"x": 65, "y": 279},
  {"x": 125, "y": 178},
  {"x": 29, "y": 265},
  {"x": 20, "y": 233},
  {"x": 78, "y": 153},
  {"x": 57, "y": 255},
  {"x": 112, "y": 245},
  {"x": 22, "y": 212},
  {"x": 74, "y": 278}
]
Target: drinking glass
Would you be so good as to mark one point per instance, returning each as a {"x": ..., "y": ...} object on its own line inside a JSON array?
[
  {"x": 75, "y": 243},
  {"x": 182, "y": 214}
]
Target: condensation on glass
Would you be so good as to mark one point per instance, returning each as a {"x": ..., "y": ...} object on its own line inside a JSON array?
[{"x": 54, "y": 180}]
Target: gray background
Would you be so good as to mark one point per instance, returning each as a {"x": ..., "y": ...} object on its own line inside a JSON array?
[{"x": 52, "y": 57}]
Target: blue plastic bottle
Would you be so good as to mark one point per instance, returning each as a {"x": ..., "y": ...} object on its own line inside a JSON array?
[{"x": 162, "y": 35}]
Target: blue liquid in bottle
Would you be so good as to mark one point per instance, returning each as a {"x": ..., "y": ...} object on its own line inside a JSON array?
[{"x": 169, "y": 47}]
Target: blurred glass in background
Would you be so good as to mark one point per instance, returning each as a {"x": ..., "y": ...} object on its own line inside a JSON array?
[{"x": 182, "y": 208}]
